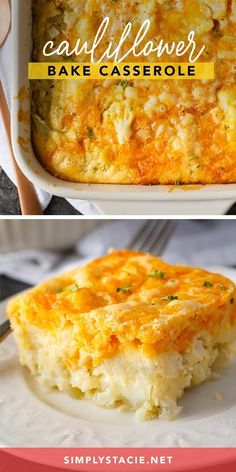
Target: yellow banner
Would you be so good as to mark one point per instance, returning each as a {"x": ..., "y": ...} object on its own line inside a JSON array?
[{"x": 121, "y": 71}]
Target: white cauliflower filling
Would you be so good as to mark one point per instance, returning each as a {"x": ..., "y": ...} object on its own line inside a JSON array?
[{"x": 132, "y": 381}]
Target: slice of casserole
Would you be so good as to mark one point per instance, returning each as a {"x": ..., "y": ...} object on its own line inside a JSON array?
[
  {"x": 137, "y": 131},
  {"x": 126, "y": 330}
]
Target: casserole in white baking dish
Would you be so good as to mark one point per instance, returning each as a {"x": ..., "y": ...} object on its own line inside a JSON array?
[{"x": 112, "y": 199}]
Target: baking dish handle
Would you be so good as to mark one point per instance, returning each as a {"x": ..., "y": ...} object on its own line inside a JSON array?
[{"x": 163, "y": 207}]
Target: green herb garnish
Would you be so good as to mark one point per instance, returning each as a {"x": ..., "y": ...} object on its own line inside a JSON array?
[
  {"x": 90, "y": 132},
  {"x": 169, "y": 298},
  {"x": 125, "y": 289},
  {"x": 158, "y": 274},
  {"x": 73, "y": 288},
  {"x": 222, "y": 287},
  {"x": 207, "y": 284},
  {"x": 59, "y": 290},
  {"x": 124, "y": 84}
]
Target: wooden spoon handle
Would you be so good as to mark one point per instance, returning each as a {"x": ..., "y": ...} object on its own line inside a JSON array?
[{"x": 28, "y": 198}]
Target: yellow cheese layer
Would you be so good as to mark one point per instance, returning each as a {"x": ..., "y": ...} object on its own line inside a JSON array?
[{"x": 128, "y": 300}]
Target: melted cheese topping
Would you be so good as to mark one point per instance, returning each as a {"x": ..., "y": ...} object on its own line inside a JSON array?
[
  {"x": 146, "y": 132},
  {"x": 128, "y": 300}
]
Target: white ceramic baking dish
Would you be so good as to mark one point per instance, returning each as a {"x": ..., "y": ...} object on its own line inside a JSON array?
[{"x": 111, "y": 199}]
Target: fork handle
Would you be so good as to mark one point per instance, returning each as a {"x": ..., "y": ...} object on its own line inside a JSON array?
[{"x": 5, "y": 330}]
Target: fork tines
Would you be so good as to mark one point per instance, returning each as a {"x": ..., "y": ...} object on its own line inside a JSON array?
[{"x": 153, "y": 236}]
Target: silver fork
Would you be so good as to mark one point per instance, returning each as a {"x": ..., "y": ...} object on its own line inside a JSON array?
[
  {"x": 5, "y": 329},
  {"x": 153, "y": 237}
]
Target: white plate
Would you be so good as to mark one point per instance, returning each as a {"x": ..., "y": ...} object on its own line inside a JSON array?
[{"x": 30, "y": 417}]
